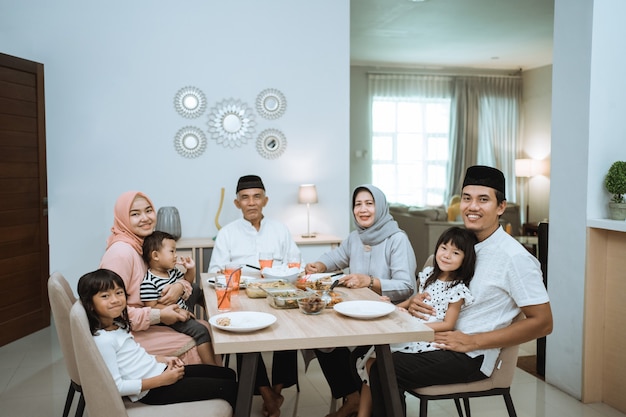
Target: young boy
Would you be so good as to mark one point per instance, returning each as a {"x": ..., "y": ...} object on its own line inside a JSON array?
[{"x": 159, "y": 253}]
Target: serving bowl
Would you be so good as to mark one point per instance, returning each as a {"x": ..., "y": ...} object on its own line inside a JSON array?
[
  {"x": 313, "y": 304},
  {"x": 283, "y": 273}
]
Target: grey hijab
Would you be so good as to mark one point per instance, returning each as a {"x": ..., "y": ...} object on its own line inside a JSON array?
[{"x": 384, "y": 224}]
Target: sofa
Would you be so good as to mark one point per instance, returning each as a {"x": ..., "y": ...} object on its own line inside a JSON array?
[{"x": 424, "y": 225}]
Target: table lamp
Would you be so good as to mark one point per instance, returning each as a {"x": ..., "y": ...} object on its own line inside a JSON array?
[{"x": 307, "y": 194}]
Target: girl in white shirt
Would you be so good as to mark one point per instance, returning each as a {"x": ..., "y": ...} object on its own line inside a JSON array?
[
  {"x": 137, "y": 374},
  {"x": 447, "y": 285}
]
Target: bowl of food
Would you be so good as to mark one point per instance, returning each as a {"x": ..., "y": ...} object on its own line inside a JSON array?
[
  {"x": 281, "y": 272},
  {"x": 284, "y": 297},
  {"x": 313, "y": 304}
]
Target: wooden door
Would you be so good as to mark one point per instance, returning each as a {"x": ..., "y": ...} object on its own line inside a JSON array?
[{"x": 24, "y": 258}]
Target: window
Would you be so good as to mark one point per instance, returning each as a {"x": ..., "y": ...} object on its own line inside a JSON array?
[{"x": 410, "y": 149}]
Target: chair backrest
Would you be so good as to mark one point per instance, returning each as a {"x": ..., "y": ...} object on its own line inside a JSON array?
[
  {"x": 101, "y": 394},
  {"x": 61, "y": 300}
]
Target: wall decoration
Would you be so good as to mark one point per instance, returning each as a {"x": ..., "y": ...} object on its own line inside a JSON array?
[
  {"x": 231, "y": 123},
  {"x": 271, "y": 103},
  {"x": 190, "y": 102},
  {"x": 190, "y": 142},
  {"x": 271, "y": 143}
]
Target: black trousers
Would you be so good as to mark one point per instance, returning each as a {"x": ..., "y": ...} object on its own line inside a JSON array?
[
  {"x": 339, "y": 369},
  {"x": 417, "y": 370},
  {"x": 284, "y": 370},
  {"x": 201, "y": 382}
]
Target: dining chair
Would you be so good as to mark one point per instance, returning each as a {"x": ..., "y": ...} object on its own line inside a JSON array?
[
  {"x": 102, "y": 396},
  {"x": 61, "y": 300},
  {"x": 499, "y": 383}
]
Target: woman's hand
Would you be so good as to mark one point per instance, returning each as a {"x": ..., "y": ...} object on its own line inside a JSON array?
[
  {"x": 418, "y": 308},
  {"x": 355, "y": 281},
  {"x": 315, "y": 268},
  {"x": 172, "y": 314},
  {"x": 171, "y": 293}
]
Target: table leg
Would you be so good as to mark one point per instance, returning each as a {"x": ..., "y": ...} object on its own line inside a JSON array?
[
  {"x": 388, "y": 381},
  {"x": 249, "y": 363}
]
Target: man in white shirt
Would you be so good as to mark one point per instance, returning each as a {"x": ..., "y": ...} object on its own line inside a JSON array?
[
  {"x": 507, "y": 280},
  {"x": 240, "y": 242}
]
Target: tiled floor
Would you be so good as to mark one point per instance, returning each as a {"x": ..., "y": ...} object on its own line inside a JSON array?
[{"x": 33, "y": 383}]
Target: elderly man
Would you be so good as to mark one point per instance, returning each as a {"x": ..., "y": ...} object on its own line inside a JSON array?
[
  {"x": 240, "y": 242},
  {"x": 507, "y": 280}
]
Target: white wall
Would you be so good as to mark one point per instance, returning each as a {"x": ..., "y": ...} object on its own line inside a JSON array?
[
  {"x": 112, "y": 70},
  {"x": 536, "y": 135},
  {"x": 587, "y": 136}
]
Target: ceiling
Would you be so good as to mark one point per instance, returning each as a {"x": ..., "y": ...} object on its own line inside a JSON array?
[{"x": 444, "y": 34}]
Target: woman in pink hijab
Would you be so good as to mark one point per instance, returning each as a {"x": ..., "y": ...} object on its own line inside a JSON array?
[{"x": 135, "y": 218}]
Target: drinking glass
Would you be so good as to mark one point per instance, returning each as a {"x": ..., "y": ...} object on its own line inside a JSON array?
[
  {"x": 266, "y": 260},
  {"x": 236, "y": 277},
  {"x": 293, "y": 260},
  {"x": 223, "y": 293}
]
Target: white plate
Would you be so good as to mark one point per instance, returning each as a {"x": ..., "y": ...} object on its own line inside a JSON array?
[
  {"x": 242, "y": 281},
  {"x": 364, "y": 309},
  {"x": 316, "y": 277},
  {"x": 244, "y": 321}
]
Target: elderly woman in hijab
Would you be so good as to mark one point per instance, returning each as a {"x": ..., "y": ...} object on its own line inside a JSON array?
[{"x": 381, "y": 258}]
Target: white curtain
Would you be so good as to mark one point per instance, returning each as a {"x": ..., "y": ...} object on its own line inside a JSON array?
[{"x": 485, "y": 118}]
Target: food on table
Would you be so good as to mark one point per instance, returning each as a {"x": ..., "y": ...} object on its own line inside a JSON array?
[
  {"x": 285, "y": 298},
  {"x": 223, "y": 321},
  {"x": 256, "y": 289},
  {"x": 311, "y": 305},
  {"x": 314, "y": 284}
]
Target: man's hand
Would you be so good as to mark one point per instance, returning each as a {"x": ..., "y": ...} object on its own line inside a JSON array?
[
  {"x": 456, "y": 341},
  {"x": 418, "y": 308}
]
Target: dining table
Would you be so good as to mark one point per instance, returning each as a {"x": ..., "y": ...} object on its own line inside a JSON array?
[{"x": 293, "y": 330}]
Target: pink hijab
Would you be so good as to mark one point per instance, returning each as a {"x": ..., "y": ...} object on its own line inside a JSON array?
[{"x": 121, "y": 232}]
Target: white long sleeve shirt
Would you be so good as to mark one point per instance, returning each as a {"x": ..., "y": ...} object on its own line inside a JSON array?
[
  {"x": 239, "y": 242},
  {"x": 128, "y": 362}
]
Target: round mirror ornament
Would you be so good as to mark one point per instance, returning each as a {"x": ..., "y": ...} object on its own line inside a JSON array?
[
  {"x": 190, "y": 142},
  {"x": 231, "y": 123},
  {"x": 190, "y": 102},
  {"x": 271, "y": 143},
  {"x": 271, "y": 103}
]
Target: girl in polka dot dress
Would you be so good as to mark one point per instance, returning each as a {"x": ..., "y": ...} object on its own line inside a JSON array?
[{"x": 447, "y": 286}]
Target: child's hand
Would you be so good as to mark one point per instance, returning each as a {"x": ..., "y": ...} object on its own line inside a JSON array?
[
  {"x": 173, "y": 362},
  {"x": 187, "y": 262},
  {"x": 172, "y": 374},
  {"x": 385, "y": 298}
]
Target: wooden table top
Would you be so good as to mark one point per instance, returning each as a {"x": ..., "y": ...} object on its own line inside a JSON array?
[{"x": 295, "y": 330}]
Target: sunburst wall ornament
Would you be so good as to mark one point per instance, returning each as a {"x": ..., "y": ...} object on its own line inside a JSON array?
[
  {"x": 190, "y": 102},
  {"x": 190, "y": 142},
  {"x": 231, "y": 123},
  {"x": 271, "y": 143},
  {"x": 271, "y": 103}
]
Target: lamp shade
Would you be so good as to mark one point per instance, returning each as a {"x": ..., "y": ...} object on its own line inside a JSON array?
[
  {"x": 307, "y": 194},
  {"x": 528, "y": 167}
]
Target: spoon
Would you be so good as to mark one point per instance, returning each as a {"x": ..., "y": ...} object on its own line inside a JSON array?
[{"x": 325, "y": 295}]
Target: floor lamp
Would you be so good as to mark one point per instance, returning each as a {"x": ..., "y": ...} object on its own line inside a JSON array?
[
  {"x": 526, "y": 168},
  {"x": 307, "y": 194}
]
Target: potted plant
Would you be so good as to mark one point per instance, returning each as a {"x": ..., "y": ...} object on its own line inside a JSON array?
[{"x": 615, "y": 183}]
